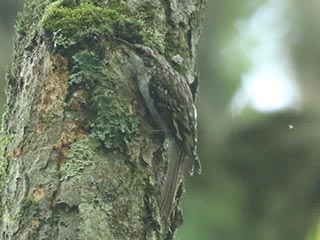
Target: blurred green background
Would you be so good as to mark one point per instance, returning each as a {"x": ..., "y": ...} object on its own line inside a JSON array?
[{"x": 259, "y": 120}]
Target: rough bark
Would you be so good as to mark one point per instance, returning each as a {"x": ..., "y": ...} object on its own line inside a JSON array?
[{"x": 80, "y": 159}]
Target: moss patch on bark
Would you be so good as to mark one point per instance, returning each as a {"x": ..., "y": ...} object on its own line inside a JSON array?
[{"x": 74, "y": 25}]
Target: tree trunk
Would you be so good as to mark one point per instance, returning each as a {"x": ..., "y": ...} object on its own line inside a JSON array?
[{"x": 80, "y": 157}]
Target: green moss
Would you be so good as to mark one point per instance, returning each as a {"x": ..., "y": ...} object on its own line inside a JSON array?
[
  {"x": 109, "y": 117},
  {"x": 87, "y": 70},
  {"x": 75, "y": 25},
  {"x": 112, "y": 123},
  {"x": 79, "y": 156},
  {"x": 87, "y": 23}
]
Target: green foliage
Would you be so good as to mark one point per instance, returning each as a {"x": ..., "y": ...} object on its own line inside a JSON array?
[{"x": 79, "y": 156}]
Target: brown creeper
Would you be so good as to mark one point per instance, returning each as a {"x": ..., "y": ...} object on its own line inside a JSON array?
[{"x": 169, "y": 100}]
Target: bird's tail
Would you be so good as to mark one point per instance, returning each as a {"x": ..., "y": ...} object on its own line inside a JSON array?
[{"x": 175, "y": 158}]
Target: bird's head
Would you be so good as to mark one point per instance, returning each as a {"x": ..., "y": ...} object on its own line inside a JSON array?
[{"x": 149, "y": 56}]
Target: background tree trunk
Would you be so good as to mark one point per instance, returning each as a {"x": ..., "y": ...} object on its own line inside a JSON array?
[{"x": 79, "y": 157}]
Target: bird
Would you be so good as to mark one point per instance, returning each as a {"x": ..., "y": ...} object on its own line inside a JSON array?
[{"x": 168, "y": 98}]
